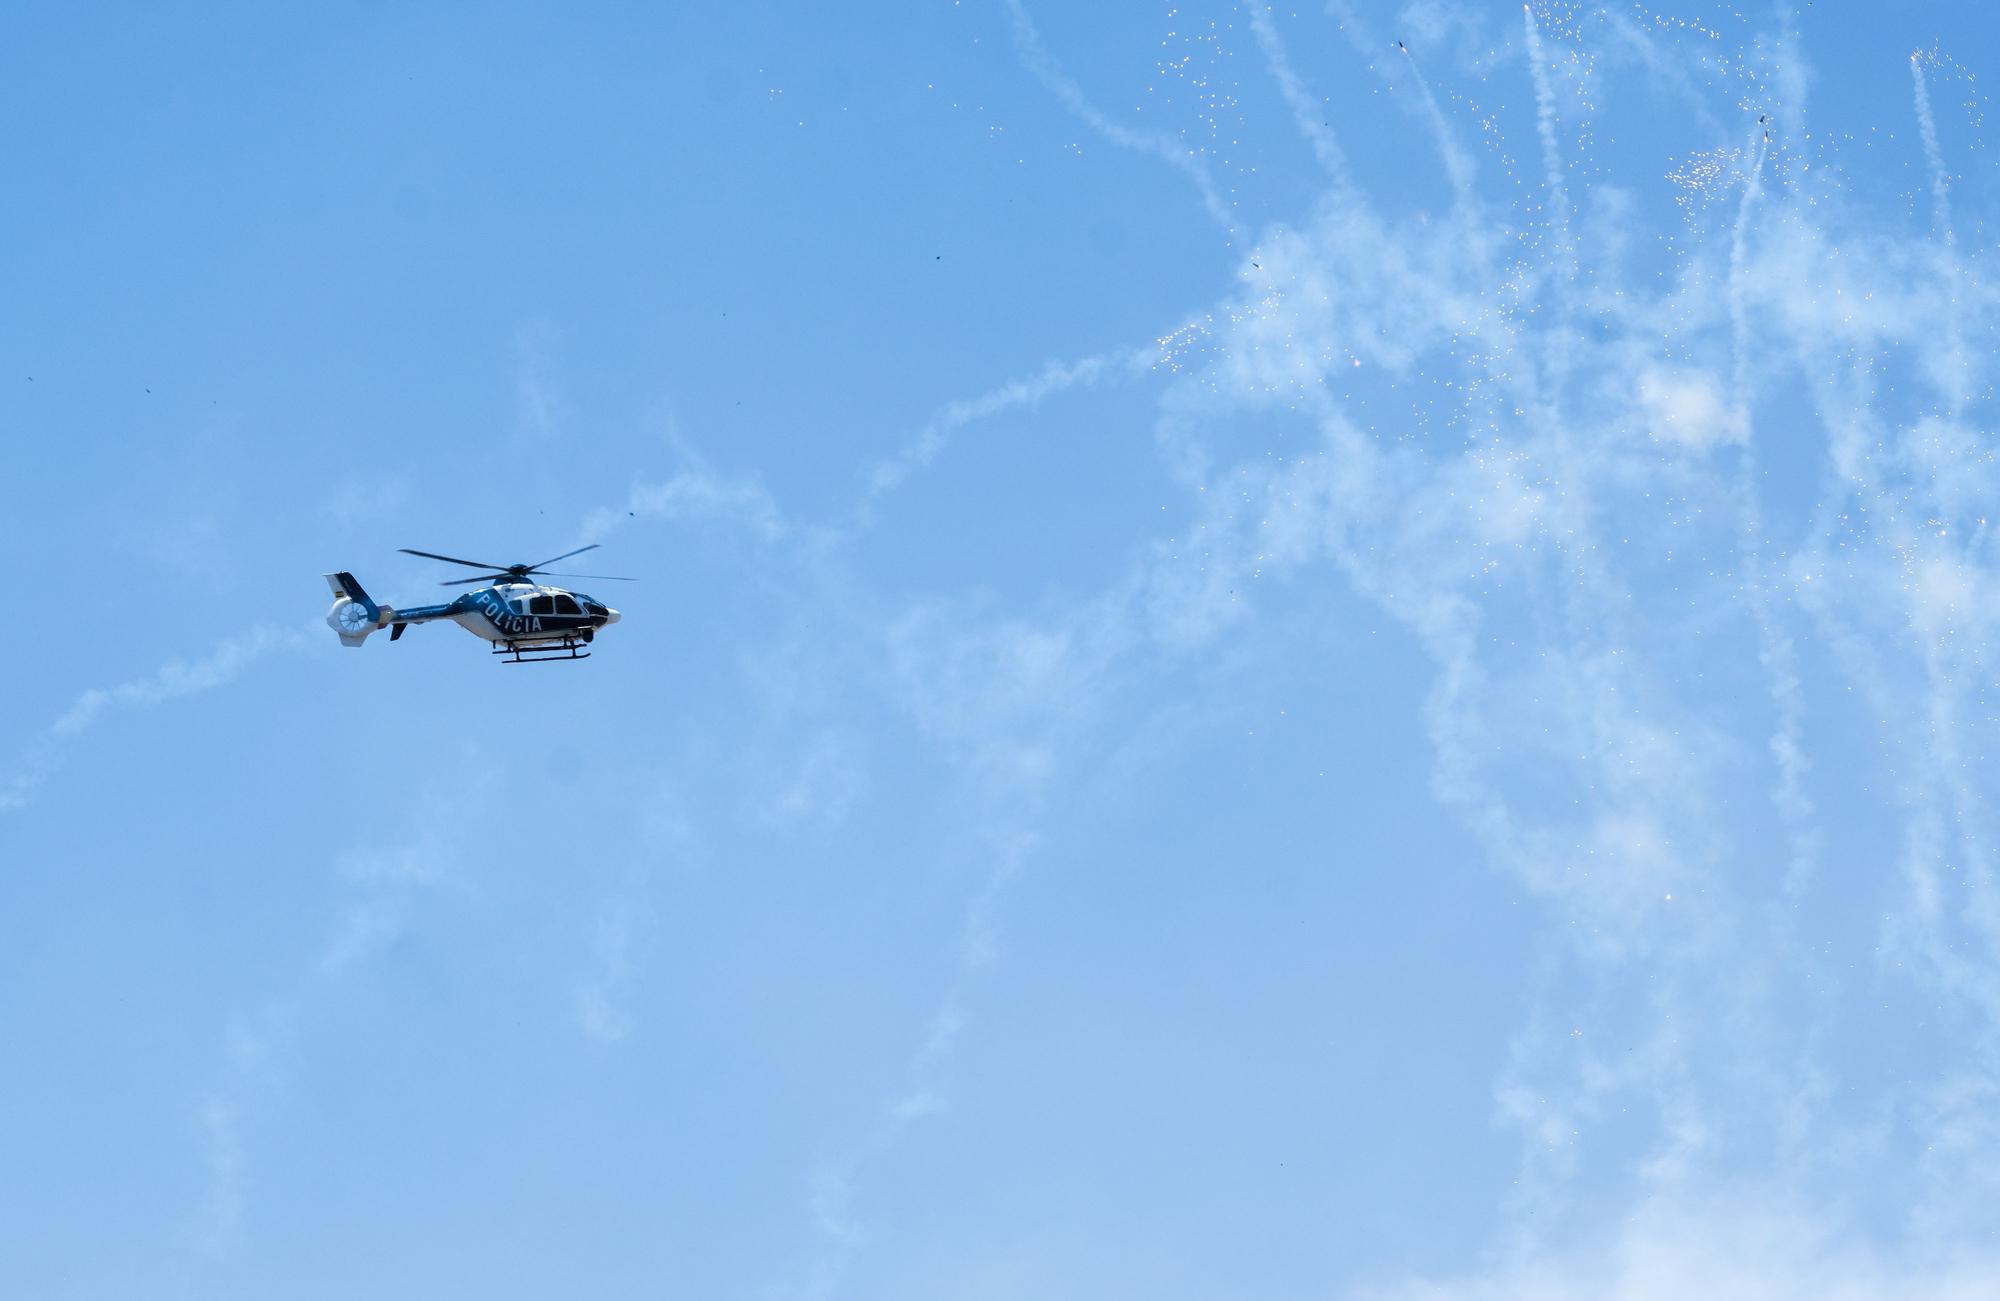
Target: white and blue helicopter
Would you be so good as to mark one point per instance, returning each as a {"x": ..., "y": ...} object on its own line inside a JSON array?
[{"x": 525, "y": 620}]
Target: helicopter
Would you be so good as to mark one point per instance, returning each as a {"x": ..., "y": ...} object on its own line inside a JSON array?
[{"x": 526, "y": 621}]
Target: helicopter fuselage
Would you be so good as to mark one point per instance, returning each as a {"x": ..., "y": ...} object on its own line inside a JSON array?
[
  {"x": 516, "y": 616},
  {"x": 522, "y": 612}
]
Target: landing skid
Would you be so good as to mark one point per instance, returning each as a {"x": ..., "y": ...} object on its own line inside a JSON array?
[{"x": 534, "y": 652}]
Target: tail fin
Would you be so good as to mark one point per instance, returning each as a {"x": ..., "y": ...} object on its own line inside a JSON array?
[{"x": 345, "y": 584}]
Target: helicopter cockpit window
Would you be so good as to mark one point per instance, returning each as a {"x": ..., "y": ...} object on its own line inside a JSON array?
[
  {"x": 567, "y": 605},
  {"x": 541, "y": 605}
]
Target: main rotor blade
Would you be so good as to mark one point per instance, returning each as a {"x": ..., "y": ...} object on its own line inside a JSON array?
[
  {"x": 564, "y": 556},
  {"x": 483, "y": 578},
  {"x": 613, "y": 577},
  {"x": 432, "y": 555}
]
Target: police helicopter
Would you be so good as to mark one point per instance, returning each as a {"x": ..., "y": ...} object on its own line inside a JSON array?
[{"x": 525, "y": 620}]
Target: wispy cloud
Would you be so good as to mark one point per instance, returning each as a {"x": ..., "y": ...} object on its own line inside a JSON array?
[
  {"x": 541, "y": 413},
  {"x": 1736, "y": 1242},
  {"x": 604, "y": 996},
  {"x": 824, "y": 776},
  {"x": 698, "y": 494},
  {"x": 382, "y": 883}
]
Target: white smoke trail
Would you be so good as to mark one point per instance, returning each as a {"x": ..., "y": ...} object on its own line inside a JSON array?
[
  {"x": 1056, "y": 377},
  {"x": 1957, "y": 364},
  {"x": 992, "y": 697},
  {"x": 1028, "y": 40},
  {"x": 1792, "y": 80},
  {"x": 173, "y": 680},
  {"x": 1933, "y": 155},
  {"x": 1776, "y": 650},
  {"x": 1552, "y": 166},
  {"x": 1306, "y": 115},
  {"x": 1644, "y": 44},
  {"x": 1459, "y": 167}
]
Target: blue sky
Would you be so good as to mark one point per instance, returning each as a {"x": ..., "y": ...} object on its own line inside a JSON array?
[{"x": 1266, "y": 667}]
